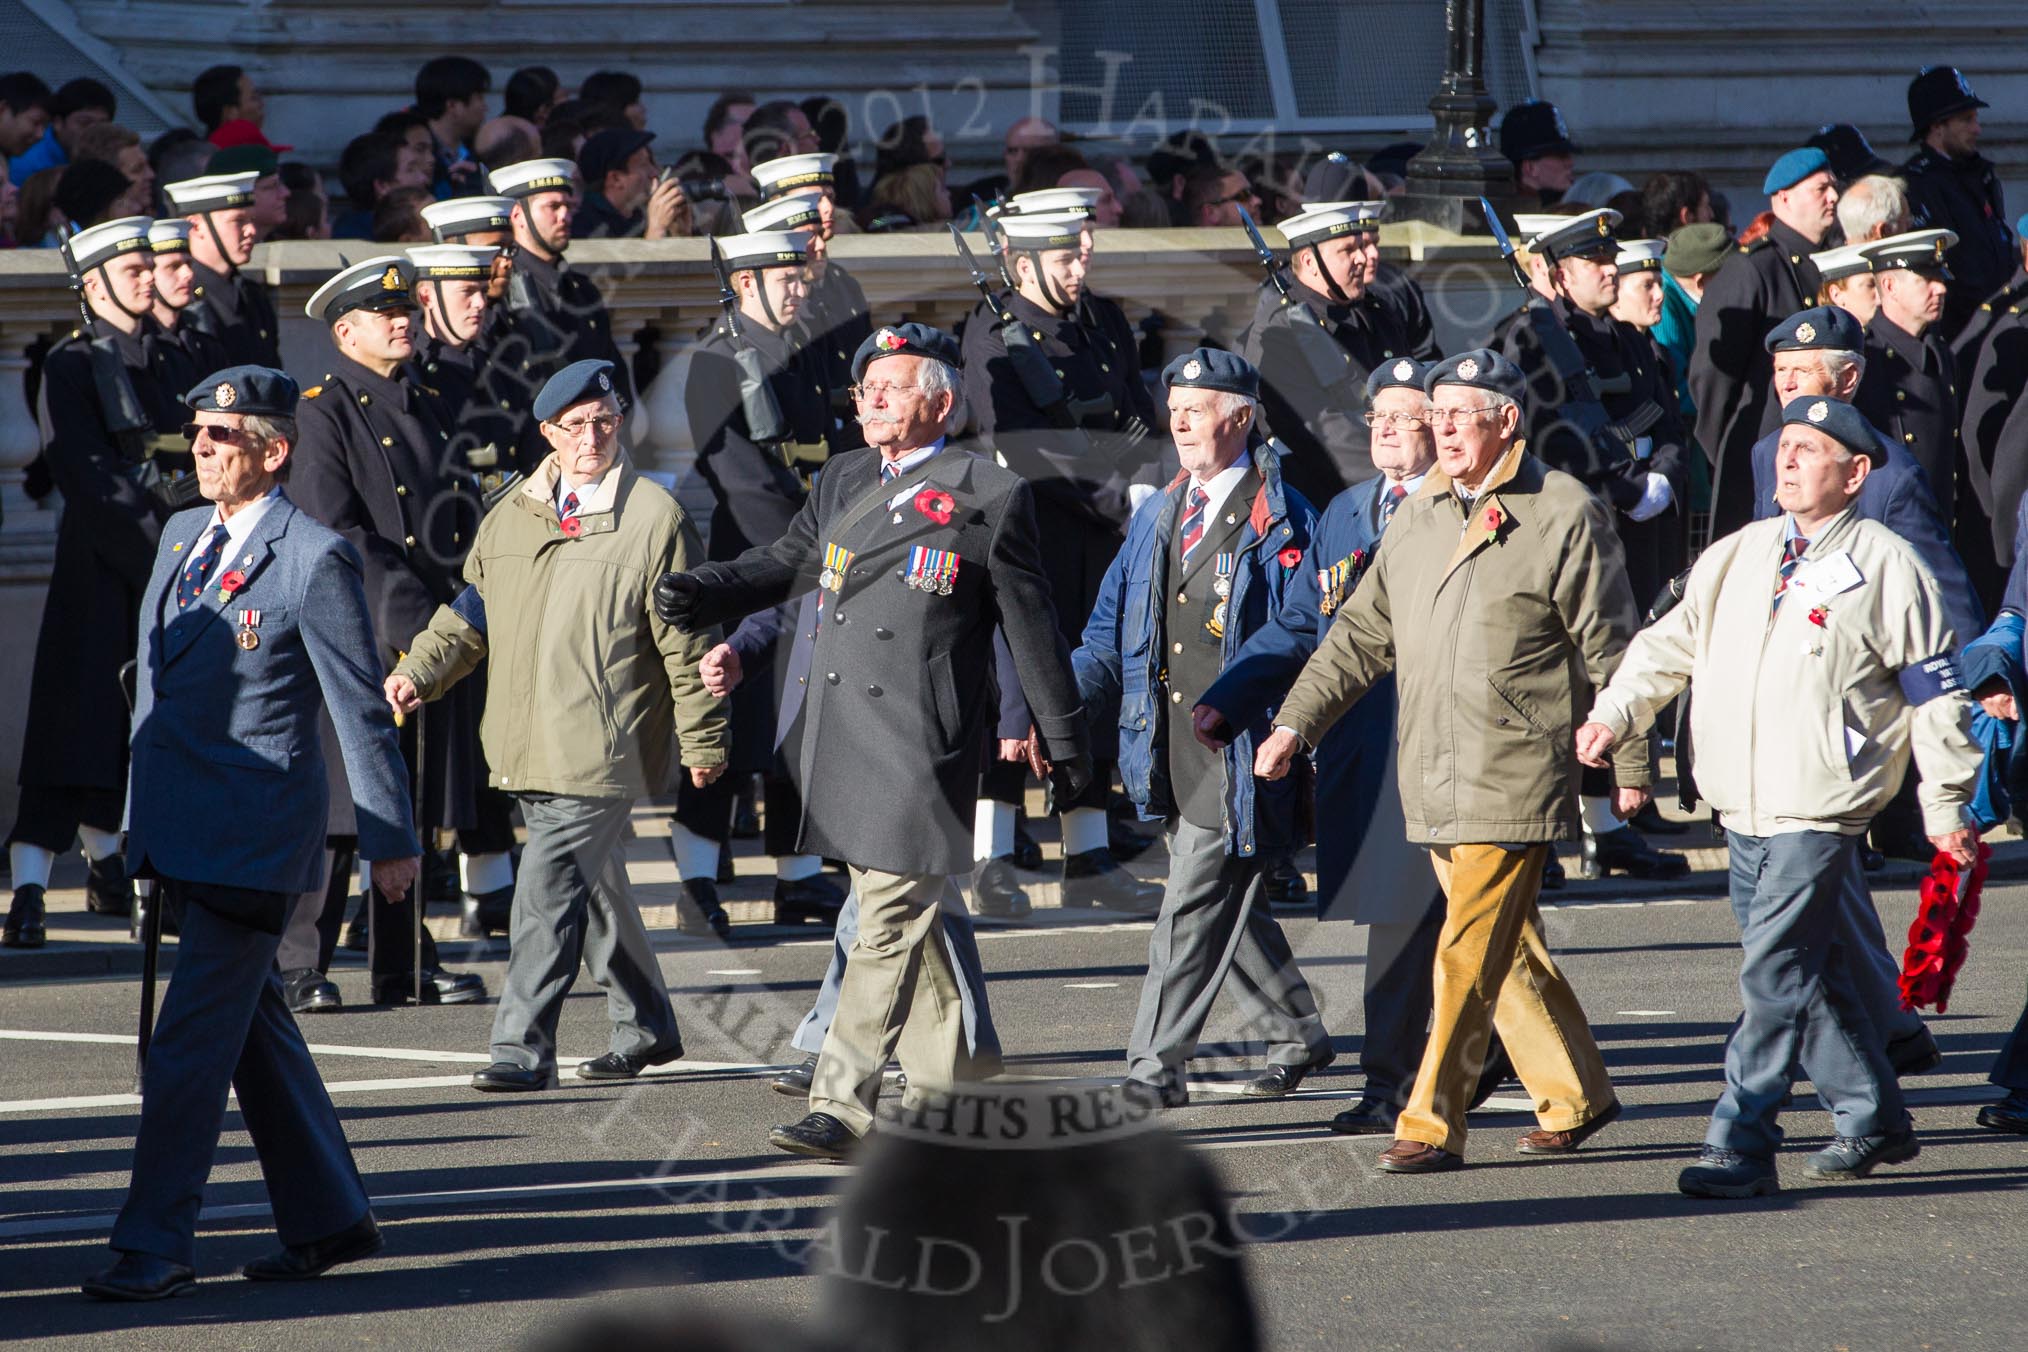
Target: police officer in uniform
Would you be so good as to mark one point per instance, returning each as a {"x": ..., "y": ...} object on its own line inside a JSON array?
[
  {"x": 1993, "y": 355},
  {"x": 105, "y": 416},
  {"x": 371, "y": 463},
  {"x": 1078, "y": 451},
  {"x": 1535, "y": 140},
  {"x": 921, "y": 551},
  {"x": 1637, "y": 471},
  {"x": 757, "y": 487},
  {"x": 1201, "y": 571},
  {"x": 1730, "y": 370},
  {"x": 561, "y": 313},
  {"x": 181, "y": 353},
  {"x": 228, "y": 304},
  {"x": 1951, "y": 186},
  {"x": 1314, "y": 398},
  {"x": 834, "y": 311}
]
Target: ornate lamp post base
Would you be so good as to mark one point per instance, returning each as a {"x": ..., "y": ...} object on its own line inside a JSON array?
[{"x": 1460, "y": 163}]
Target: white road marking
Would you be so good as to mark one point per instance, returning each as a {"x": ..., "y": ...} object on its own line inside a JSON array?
[
  {"x": 732, "y": 971},
  {"x": 1643, "y": 1013},
  {"x": 1091, "y": 985}
]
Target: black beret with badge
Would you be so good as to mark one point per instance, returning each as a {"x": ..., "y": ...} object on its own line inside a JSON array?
[
  {"x": 1210, "y": 368},
  {"x": 382, "y": 283},
  {"x": 1820, "y": 328},
  {"x": 1481, "y": 369},
  {"x": 1403, "y": 373},
  {"x": 906, "y": 340},
  {"x": 591, "y": 378},
  {"x": 256, "y": 391},
  {"x": 1841, "y": 422}
]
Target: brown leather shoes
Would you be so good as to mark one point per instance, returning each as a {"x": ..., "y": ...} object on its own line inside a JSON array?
[
  {"x": 1540, "y": 1142},
  {"x": 1413, "y": 1157}
]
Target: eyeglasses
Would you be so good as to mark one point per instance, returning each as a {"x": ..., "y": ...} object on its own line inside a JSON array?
[
  {"x": 1438, "y": 417},
  {"x": 1399, "y": 421},
  {"x": 225, "y": 436},
  {"x": 601, "y": 426},
  {"x": 865, "y": 393},
  {"x": 1243, "y": 195}
]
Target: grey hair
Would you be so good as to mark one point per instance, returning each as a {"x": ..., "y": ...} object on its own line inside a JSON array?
[
  {"x": 1496, "y": 401},
  {"x": 1230, "y": 402},
  {"x": 940, "y": 378},
  {"x": 1874, "y": 205},
  {"x": 270, "y": 427},
  {"x": 1837, "y": 362}
]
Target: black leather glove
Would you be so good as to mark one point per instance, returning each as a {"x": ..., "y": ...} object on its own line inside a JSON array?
[
  {"x": 1068, "y": 779},
  {"x": 676, "y": 597}
]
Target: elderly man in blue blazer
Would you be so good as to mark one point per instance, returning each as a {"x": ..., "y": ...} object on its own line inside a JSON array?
[{"x": 254, "y": 618}]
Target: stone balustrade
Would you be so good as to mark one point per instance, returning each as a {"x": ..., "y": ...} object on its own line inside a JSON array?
[{"x": 1201, "y": 285}]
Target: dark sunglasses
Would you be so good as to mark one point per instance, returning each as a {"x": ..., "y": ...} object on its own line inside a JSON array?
[{"x": 229, "y": 436}]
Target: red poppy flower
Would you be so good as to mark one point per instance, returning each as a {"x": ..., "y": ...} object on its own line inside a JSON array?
[
  {"x": 1818, "y": 615},
  {"x": 571, "y": 526},
  {"x": 231, "y": 582},
  {"x": 1290, "y": 557},
  {"x": 1493, "y": 518},
  {"x": 935, "y": 504}
]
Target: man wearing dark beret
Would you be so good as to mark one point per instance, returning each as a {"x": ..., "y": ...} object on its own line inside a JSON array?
[
  {"x": 1813, "y": 621},
  {"x": 592, "y": 701},
  {"x": 921, "y": 551},
  {"x": 1206, "y": 565},
  {"x": 1500, "y": 579},
  {"x": 374, "y": 462},
  {"x": 253, "y": 623}
]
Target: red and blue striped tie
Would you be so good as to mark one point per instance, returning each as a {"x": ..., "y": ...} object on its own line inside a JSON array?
[
  {"x": 1193, "y": 522},
  {"x": 1792, "y": 559}
]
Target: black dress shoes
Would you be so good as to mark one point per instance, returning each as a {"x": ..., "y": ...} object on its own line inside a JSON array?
[
  {"x": 626, "y": 1065},
  {"x": 1628, "y": 851},
  {"x": 309, "y": 991},
  {"x": 1170, "y": 1093},
  {"x": 108, "y": 889},
  {"x": 504, "y": 1077},
  {"x": 1368, "y": 1117},
  {"x": 997, "y": 893},
  {"x": 1281, "y": 1081},
  {"x": 300, "y": 1262},
  {"x": 1285, "y": 885},
  {"x": 1095, "y": 878},
  {"x": 795, "y": 1081},
  {"x": 439, "y": 987},
  {"x": 487, "y": 914},
  {"x": 25, "y": 926},
  {"x": 2009, "y": 1114},
  {"x": 807, "y": 901},
  {"x": 140, "y": 1276},
  {"x": 819, "y": 1135},
  {"x": 699, "y": 911}
]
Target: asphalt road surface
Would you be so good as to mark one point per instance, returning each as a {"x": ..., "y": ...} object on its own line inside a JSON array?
[{"x": 507, "y": 1215}]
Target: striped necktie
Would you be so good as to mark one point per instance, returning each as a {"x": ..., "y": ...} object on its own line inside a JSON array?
[
  {"x": 569, "y": 506},
  {"x": 1792, "y": 559},
  {"x": 1390, "y": 502},
  {"x": 889, "y": 471},
  {"x": 1193, "y": 522},
  {"x": 195, "y": 574}
]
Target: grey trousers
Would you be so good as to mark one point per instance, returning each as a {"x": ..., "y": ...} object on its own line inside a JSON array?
[
  {"x": 899, "y": 996},
  {"x": 1799, "y": 987},
  {"x": 961, "y": 945},
  {"x": 1214, "y": 925},
  {"x": 572, "y": 902}
]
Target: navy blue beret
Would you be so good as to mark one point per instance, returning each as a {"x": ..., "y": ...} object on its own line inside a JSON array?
[
  {"x": 905, "y": 340},
  {"x": 1403, "y": 373},
  {"x": 575, "y": 383},
  {"x": 1841, "y": 422},
  {"x": 1793, "y": 168},
  {"x": 260, "y": 391},
  {"x": 1825, "y": 326},
  {"x": 1210, "y": 368},
  {"x": 1482, "y": 369}
]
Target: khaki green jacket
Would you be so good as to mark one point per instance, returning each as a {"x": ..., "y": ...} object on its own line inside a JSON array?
[
  {"x": 1499, "y": 617},
  {"x": 587, "y": 692}
]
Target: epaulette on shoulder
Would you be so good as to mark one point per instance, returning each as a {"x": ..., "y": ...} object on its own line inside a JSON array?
[
  {"x": 313, "y": 392},
  {"x": 1762, "y": 242}
]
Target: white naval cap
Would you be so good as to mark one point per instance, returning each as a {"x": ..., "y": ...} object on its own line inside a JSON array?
[
  {"x": 1588, "y": 233},
  {"x": 1641, "y": 255},
  {"x": 793, "y": 211},
  {"x": 1372, "y": 213},
  {"x": 170, "y": 236},
  {"x": 794, "y": 173},
  {"x": 458, "y": 216},
  {"x": 1039, "y": 232},
  {"x": 452, "y": 262},
  {"x": 213, "y": 192},
  {"x": 1324, "y": 223},
  {"x": 381, "y": 283},
  {"x": 1052, "y": 201},
  {"x": 103, "y": 243},
  {"x": 1920, "y": 250},
  {"x": 1845, "y": 261},
  {"x": 530, "y": 177},
  {"x": 763, "y": 249}
]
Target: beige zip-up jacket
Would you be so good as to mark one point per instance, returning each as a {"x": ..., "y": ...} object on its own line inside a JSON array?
[
  {"x": 1804, "y": 715},
  {"x": 1499, "y": 618}
]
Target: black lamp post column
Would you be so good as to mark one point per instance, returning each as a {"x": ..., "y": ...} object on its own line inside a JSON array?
[{"x": 1460, "y": 163}]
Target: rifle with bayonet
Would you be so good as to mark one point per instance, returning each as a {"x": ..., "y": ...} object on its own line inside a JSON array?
[{"x": 1328, "y": 362}]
